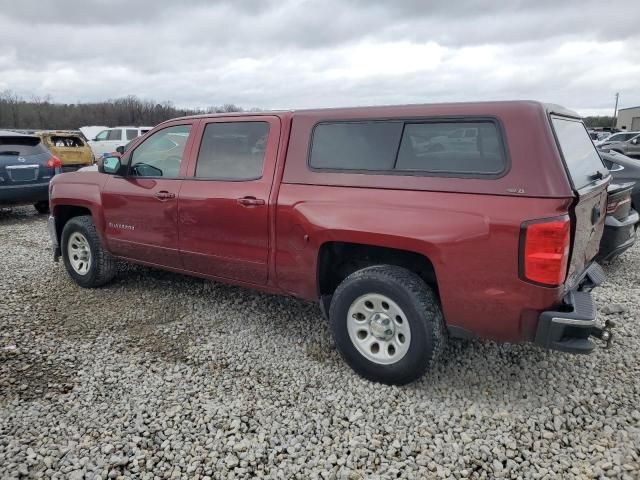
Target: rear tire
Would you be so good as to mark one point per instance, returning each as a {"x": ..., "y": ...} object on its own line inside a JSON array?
[
  {"x": 387, "y": 324},
  {"x": 86, "y": 261},
  {"x": 42, "y": 207}
]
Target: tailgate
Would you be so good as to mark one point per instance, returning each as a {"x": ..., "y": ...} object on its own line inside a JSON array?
[
  {"x": 73, "y": 155},
  {"x": 589, "y": 212},
  {"x": 589, "y": 178}
]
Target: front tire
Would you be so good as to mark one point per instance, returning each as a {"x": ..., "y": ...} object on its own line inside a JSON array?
[
  {"x": 86, "y": 261},
  {"x": 42, "y": 207},
  {"x": 387, "y": 324}
]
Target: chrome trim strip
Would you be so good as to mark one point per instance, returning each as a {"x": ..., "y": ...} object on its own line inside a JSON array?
[{"x": 21, "y": 167}]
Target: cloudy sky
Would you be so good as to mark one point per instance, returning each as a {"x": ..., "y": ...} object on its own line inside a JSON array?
[{"x": 295, "y": 53}]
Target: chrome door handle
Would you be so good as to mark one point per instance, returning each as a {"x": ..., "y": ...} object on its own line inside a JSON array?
[
  {"x": 250, "y": 201},
  {"x": 164, "y": 195}
]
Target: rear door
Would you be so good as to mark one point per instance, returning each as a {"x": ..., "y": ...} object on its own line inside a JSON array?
[
  {"x": 590, "y": 179},
  {"x": 224, "y": 205}
]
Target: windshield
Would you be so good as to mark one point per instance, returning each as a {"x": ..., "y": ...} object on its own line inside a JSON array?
[{"x": 580, "y": 156}]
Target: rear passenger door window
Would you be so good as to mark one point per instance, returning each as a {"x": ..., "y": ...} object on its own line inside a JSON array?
[
  {"x": 115, "y": 134},
  {"x": 232, "y": 151},
  {"x": 447, "y": 148}
]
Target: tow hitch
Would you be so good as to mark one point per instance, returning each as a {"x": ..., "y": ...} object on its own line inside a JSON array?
[{"x": 604, "y": 333}]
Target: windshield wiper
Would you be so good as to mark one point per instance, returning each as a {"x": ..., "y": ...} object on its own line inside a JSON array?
[{"x": 598, "y": 175}]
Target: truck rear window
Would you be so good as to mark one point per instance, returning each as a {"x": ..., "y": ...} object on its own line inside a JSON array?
[
  {"x": 473, "y": 148},
  {"x": 580, "y": 156}
]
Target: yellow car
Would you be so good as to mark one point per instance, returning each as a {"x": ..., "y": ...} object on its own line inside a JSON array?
[{"x": 70, "y": 147}]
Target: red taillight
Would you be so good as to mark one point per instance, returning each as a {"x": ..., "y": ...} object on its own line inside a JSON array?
[
  {"x": 545, "y": 251},
  {"x": 54, "y": 162}
]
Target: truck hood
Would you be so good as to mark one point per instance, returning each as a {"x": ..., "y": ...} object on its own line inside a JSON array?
[{"x": 90, "y": 168}]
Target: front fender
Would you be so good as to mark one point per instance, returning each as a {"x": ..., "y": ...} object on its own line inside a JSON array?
[{"x": 81, "y": 190}]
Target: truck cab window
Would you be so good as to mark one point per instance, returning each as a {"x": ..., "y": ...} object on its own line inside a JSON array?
[
  {"x": 161, "y": 154},
  {"x": 232, "y": 151},
  {"x": 115, "y": 134}
]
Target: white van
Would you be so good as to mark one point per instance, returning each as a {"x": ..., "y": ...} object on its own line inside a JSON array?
[{"x": 111, "y": 138}]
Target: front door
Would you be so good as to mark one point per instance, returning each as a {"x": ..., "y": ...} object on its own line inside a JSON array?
[
  {"x": 224, "y": 204},
  {"x": 141, "y": 208}
]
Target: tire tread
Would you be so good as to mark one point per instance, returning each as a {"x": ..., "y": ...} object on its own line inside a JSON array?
[{"x": 104, "y": 262}]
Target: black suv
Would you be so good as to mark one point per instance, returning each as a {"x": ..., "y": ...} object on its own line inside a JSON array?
[{"x": 26, "y": 167}]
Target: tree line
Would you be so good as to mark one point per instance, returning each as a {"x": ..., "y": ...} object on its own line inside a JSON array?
[
  {"x": 597, "y": 122},
  {"x": 16, "y": 112}
]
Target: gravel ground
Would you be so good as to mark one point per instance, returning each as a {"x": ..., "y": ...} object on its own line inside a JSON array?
[{"x": 164, "y": 376}]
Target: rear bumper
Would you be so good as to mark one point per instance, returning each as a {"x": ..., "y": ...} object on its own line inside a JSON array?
[
  {"x": 569, "y": 328},
  {"x": 618, "y": 236},
  {"x": 28, "y": 193}
]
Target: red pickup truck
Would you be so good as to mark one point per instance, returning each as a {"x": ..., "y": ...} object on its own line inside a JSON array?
[{"x": 408, "y": 224}]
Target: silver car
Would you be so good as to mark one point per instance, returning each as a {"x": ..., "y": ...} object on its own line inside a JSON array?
[{"x": 627, "y": 144}]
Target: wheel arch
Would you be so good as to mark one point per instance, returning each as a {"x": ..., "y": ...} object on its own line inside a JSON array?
[{"x": 338, "y": 259}]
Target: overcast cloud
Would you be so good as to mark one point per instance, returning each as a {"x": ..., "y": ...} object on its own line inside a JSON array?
[{"x": 294, "y": 53}]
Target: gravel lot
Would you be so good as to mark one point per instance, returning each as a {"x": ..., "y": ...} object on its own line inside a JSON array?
[{"x": 164, "y": 376}]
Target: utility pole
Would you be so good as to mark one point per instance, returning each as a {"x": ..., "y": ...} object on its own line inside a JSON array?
[{"x": 615, "y": 112}]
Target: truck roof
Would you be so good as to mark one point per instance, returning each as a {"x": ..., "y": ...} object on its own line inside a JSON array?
[{"x": 453, "y": 108}]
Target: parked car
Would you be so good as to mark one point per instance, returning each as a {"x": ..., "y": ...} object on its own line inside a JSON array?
[
  {"x": 401, "y": 248},
  {"x": 624, "y": 170},
  {"x": 621, "y": 222},
  {"x": 26, "y": 167},
  {"x": 616, "y": 137},
  {"x": 110, "y": 139},
  {"x": 119, "y": 150},
  {"x": 597, "y": 135},
  {"x": 69, "y": 147},
  {"x": 630, "y": 147}
]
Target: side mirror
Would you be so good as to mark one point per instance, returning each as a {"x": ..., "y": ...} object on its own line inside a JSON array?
[
  {"x": 634, "y": 141},
  {"x": 120, "y": 149},
  {"x": 109, "y": 165}
]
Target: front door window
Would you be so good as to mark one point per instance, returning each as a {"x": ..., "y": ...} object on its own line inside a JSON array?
[{"x": 161, "y": 154}]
